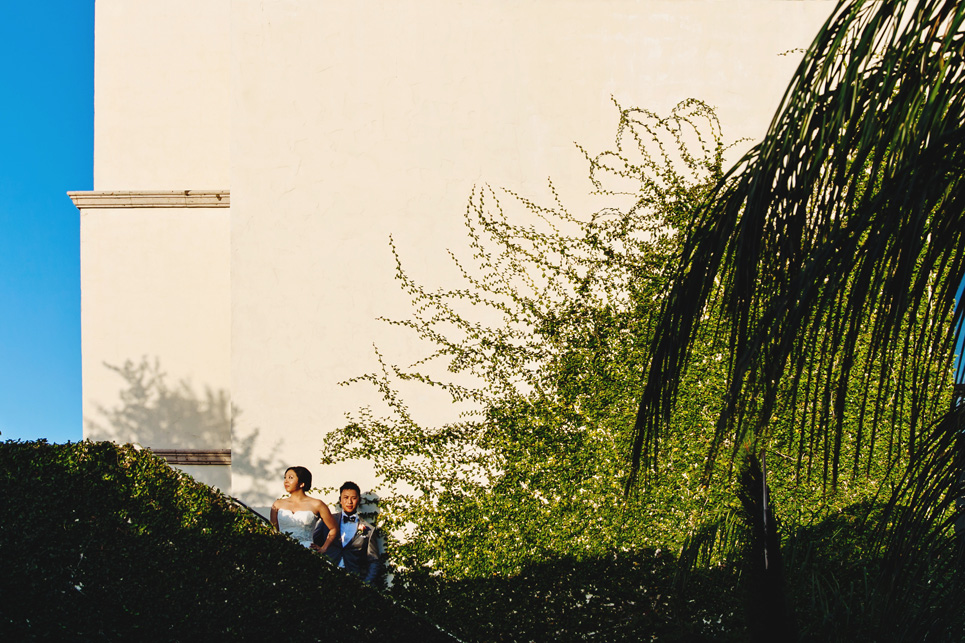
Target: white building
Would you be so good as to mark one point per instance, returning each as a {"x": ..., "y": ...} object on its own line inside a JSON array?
[{"x": 252, "y": 157}]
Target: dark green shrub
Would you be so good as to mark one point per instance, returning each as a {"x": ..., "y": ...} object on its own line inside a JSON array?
[{"x": 100, "y": 541}]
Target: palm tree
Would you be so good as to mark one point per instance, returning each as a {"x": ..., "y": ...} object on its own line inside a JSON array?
[{"x": 848, "y": 217}]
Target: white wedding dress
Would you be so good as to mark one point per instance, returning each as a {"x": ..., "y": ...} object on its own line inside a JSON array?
[{"x": 297, "y": 524}]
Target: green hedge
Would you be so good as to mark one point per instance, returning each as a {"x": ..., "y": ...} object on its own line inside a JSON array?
[
  {"x": 100, "y": 541},
  {"x": 628, "y": 596}
]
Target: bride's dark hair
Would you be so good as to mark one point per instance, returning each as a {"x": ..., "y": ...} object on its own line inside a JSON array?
[{"x": 304, "y": 476}]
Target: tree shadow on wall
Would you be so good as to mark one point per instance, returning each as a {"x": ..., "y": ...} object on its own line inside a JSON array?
[
  {"x": 260, "y": 467},
  {"x": 157, "y": 414}
]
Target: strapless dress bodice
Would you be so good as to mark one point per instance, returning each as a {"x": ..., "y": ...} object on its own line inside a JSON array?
[{"x": 297, "y": 524}]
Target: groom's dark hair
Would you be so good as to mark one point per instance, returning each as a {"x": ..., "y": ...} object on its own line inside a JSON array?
[
  {"x": 349, "y": 485},
  {"x": 304, "y": 476}
]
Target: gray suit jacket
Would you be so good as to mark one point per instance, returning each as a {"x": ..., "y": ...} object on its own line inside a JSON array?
[{"x": 360, "y": 555}]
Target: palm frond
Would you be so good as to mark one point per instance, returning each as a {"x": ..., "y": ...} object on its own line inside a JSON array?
[
  {"x": 831, "y": 257},
  {"x": 847, "y": 217}
]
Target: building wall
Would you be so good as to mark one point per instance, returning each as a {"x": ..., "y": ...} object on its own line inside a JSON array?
[
  {"x": 336, "y": 125},
  {"x": 155, "y": 269},
  {"x": 155, "y": 319},
  {"x": 161, "y": 94}
]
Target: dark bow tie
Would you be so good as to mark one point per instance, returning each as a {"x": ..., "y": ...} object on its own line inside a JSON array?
[{"x": 348, "y": 518}]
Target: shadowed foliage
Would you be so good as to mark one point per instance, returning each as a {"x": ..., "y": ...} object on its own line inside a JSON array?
[{"x": 626, "y": 596}]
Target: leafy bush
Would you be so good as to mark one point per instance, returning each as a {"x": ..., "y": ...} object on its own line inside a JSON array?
[
  {"x": 545, "y": 348},
  {"x": 101, "y": 541}
]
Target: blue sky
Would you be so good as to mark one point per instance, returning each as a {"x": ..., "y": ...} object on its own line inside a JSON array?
[{"x": 47, "y": 144}]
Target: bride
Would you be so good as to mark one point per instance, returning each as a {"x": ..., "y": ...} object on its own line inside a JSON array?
[{"x": 296, "y": 514}]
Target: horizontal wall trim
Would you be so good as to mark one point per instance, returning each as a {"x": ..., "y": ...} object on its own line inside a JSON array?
[
  {"x": 194, "y": 456},
  {"x": 151, "y": 199}
]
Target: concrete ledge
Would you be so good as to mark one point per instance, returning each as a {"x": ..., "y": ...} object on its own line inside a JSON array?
[
  {"x": 194, "y": 456},
  {"x": 152, "y": 199}
]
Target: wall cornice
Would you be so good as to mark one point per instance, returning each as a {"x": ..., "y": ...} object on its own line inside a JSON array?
[
  {"x": 194, "y": 456},
  {"x": 151, "y": 199}
]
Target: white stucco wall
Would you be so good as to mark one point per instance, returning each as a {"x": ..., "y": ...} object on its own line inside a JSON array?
[
  {"x": 353, "y": 122},
  {"x": 161, "y": 96},
  {"x": 337, "y": 124},
  {"x": 213, "y": 476},
  {"x": 155, "y": 281},
  {"x": 156, "y": 286}
]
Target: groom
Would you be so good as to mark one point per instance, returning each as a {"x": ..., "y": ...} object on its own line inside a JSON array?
[{"x": 356, "y": 549}]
